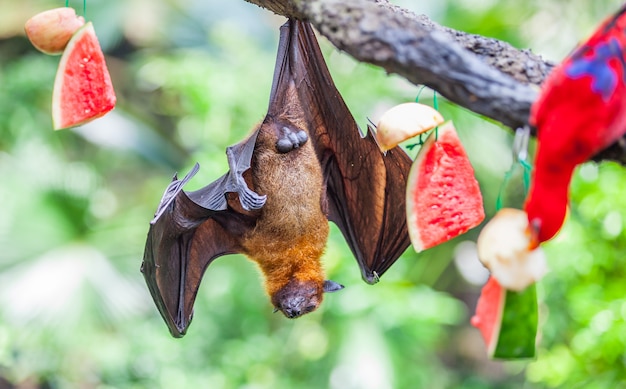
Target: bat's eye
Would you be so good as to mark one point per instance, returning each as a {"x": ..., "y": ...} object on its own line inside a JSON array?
[{"x": 310, "y": 308}]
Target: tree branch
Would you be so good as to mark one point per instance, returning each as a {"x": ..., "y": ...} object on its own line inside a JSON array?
[{"x": 484, "y": 75}]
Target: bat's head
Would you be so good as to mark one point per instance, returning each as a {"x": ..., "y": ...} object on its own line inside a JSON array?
[{"x": 300, "y": 297}]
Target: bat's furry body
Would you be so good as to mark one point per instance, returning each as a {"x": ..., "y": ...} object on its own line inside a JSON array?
[
  {"x": 290, "y": 234},
  {"x": 307, "y": 163}
]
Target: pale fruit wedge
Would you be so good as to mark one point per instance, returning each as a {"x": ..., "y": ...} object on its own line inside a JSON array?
[
  {"x": 504, "y": 247},
  {"x": 405, "y": 121},
  {"x": 49, "y": 31}
]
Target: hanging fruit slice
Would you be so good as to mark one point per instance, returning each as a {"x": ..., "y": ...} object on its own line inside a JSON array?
[
  {"x": 443, "y": 196},
  {"x": 51, "y": 30},
  {"x": 405, "y": 121},
  {"x": 82, "y": 88},
  {"x": 505, "y": 246},
  {"x": 507, "y": 320}
]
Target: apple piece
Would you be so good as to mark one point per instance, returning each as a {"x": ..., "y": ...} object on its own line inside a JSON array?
[
  {"x": 405, "y": 121},
  {"x": 49, "y": 31},
  {"x": 505, "y": 246}
]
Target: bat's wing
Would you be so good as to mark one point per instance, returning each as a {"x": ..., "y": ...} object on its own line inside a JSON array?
[
  {"x": 366, "y": 189},
  {"x": 190, "y": 230}
]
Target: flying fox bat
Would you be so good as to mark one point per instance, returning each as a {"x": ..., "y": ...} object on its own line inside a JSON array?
[{"x": 305, "y": 164}]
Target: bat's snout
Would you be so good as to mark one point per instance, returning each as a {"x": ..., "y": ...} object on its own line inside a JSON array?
[
  {"x": 296, "y": 306},
  {"x": 293, "y": 307},
  {"x": 297, "y": 298}
]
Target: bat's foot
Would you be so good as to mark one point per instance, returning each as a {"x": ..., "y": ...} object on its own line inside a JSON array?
[{"x": 291, "y": 139}]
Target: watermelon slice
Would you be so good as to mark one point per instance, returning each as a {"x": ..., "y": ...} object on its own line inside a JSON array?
[
  {"x": 507, "y": 320},
  {"x": 443, "y": 196},
  {"x": 82, "y": 88}
]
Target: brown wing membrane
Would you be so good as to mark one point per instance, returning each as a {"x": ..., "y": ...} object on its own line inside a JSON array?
[
  {"x": 190, "y": 230},
  {"x": 365, "y": 188}
]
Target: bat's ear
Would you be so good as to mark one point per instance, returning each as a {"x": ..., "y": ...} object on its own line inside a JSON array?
[{"x": 332, "y": 286}]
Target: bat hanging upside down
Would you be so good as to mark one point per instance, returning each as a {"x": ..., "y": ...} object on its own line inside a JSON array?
[{"x": 306, "y": 164}]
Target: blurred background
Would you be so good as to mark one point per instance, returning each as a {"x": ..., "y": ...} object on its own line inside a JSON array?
[{"x": 193, "y": 77}]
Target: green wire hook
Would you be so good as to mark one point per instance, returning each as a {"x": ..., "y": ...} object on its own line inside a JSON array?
[
  {"x": 419, "y": 92},
  {"x": 67, "y": 4},
  {"x": 520, "y": 155},
  {"x": 436, "y": 106}
]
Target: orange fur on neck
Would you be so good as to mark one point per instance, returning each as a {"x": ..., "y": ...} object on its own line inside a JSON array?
[{"x": 281, "y": 263}]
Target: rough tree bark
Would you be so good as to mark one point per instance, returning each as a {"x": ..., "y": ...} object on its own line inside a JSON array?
[{"x": 484, "y": 75}]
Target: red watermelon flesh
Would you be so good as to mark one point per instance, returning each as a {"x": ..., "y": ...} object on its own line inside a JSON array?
[
  {"x": 443, "y": 196},
  {"x": 507, "y": 320},
  {"x": 82, "y": 88},
  {"x": 489, "y": 310}
]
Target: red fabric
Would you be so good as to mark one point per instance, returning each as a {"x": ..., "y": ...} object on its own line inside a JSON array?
[{"x": 581, "y": 111}]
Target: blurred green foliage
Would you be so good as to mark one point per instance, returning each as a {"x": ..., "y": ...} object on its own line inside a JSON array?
[{"x": 193, "y": 77}]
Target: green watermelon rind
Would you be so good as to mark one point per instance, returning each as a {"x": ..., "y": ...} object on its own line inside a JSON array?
[
  {"x": 57, "y": 114},
  {"x": 517, "y": 336},
  {"x": 412, "y": 216},
  {"x": 507, "y": 321}
]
